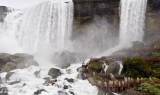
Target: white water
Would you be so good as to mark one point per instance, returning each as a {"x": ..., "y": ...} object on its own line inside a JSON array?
[
  {"x": 132, "y": 16},
  {"x": 44, "y": 26},
  {"x": 79, "y": 87},
  {"x": 41, "y": 29}
]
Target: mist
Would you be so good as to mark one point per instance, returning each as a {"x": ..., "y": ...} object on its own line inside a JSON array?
[{"x": 95, "y": 37}]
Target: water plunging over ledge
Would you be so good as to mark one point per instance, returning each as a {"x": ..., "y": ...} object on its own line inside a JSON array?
[{"x": 132, "y": 16}]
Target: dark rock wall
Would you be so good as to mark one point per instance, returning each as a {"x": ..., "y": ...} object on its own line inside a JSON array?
[
  {"x": 3, "y": 11},
  {"x": 86, "y": 10},
  {"x": 152, "y": 22}
]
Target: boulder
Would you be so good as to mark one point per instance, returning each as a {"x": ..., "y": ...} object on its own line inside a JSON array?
[
  {"x": 62, "y": 93},
  {"x": 36, "y": 73},
  {"x": 32, "y": 63},
  {"x": 70, "y": 80},
  {"x": 65, "y": 87},
  {"x": 119, "y": 53},
  {"x": 21, "y": 66},
  {"x": 91, "y": 81},
  {"x": 9, "y": 66},
  {"x": 49, "y": 81},
  {"x": 21, "y": 58},
  {"x": 113, "y": 68},
  {"x": 64, "y": 59},
  {"x": 108, "y": 61},
  {"x": 15, "y": 82},
  {"x": 4, "y": 58},
  {"x": 9, "y": 74},
  {"x": 54, "y": 72},
  {"x": 39, "y": 91}
]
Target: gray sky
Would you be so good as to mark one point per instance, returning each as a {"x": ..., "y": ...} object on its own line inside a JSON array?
[{"x": 22, "y": 3}]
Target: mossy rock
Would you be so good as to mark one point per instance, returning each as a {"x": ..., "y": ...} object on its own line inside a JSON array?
[
  {"x": 136, "y": 67},
  {"x": 95, "y": 66}
]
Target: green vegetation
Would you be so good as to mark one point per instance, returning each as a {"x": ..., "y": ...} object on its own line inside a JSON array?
[
  {"x": 136, "y": 67},
  {"x": 95, "y": 66},
  {"x": 152, "y": 87}
]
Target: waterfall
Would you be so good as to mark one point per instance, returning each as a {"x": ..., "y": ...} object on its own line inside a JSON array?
[
  {"x": 132, "y": 18},
  {"x": 47, "y": 24}
]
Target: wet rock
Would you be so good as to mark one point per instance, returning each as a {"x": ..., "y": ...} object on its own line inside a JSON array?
[
  {"x": 9, "y": 66},
  {"x": 4, "y": 90},
  {"x": 21, "y": 58},
  {"x": 36, "y": 73},
  {"x": 9, "y": 74},
  {"x": 32, "y": 63},
  {"x": 71, "y": 93},
  {"x": 70, "y": 80},
  {"x": 4, "y": 58},
  {"x": 108, "y": 61},
  {"x": 91, "y": 81},
  {"x": 15, "y": 82},
  {"x": 21, "y": 66},
  {"x": 64, "y": 59},
  {"x": 49, "y": 81},
  {"x": 65, "y": 87},
  {"x": 3, "y": 11},
  {"x": 54, "y": 72},
  {"x": 39, "y": 91},
  {"x": 113, "y": 68},
  {"x": 119, "y": 53},
  {"x": 66, "y": 65},
  {"x": 62, "y": 93},
  {"x": 68, "y": 71}
]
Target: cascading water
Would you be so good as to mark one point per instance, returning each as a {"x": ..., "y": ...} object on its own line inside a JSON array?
[
  {"x": 47, "y": 24},
  {"x": 132, "y": 18}
]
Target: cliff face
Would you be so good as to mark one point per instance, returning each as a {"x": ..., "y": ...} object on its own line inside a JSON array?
[
  {"x": 153, "y": 16},
  {"x": 3, "y": 11},
  {"x": 86, "y": 10}
]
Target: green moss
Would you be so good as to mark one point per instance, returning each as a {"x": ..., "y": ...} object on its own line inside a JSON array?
[
  {"x": 95, "y": 66},
  {"x": 136, "y": 67}
]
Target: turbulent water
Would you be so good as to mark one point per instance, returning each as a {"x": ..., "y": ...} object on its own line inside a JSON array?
[
  {"x": 47, "y": 24},
  {"x": 132, "y": 18},
  {"x": 47, "y": 27}
]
